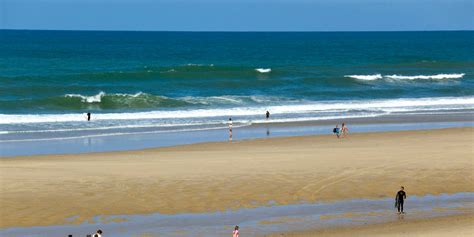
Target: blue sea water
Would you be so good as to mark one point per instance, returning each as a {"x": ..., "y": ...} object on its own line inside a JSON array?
[{"x": 142, "y": 81}]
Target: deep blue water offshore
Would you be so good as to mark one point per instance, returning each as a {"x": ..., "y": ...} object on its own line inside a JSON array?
[{"x": 142, "y": 81}]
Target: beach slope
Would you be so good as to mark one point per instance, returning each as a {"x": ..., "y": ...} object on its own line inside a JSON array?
[{"x": 46, "y": 190}]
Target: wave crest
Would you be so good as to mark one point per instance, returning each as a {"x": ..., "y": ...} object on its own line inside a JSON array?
[
  {"x": 427, "y": 77},
  {"x": 315, "y": 107},
  {"x": 365, "y": 77},
  {"x": 263, "y": 70},
  {"x": 402, "y": 77}
]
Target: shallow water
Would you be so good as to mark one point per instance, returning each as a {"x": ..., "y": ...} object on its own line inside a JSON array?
[
  {"x": 264, "y": 220},
  {"x": 150, "y": 139}
]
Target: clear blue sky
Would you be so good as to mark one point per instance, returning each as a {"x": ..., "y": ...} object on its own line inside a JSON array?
[{"x": 238, "y": 15}]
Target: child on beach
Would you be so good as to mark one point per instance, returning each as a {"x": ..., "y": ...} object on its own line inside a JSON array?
[{"x": 235, "y": 233}]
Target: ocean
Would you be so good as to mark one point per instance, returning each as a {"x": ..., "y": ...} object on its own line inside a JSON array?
[{"x": 153, "y": 82}]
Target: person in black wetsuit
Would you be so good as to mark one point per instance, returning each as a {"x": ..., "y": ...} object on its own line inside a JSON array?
[
  {"x": 399, "y": 200},
  {"x": 267, "y": 115},
  {"x": 88, "y": 116}
]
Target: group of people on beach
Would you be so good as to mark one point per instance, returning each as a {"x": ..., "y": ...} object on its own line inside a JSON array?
[
  {"x": 341, "y": 132},
  {"x": 399, "y": 201},
  {"x": 98, "y": 233}
]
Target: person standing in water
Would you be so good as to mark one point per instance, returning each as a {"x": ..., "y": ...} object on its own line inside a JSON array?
[
  {"x": 230, "y": 129},
  {"x": 267, "y": 114},
  {"x": 235, "y": 233},
  {"x": 88, "y": 116},
  {"x": 400, "y": 199}
]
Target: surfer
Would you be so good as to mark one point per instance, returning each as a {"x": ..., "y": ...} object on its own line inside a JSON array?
[
  {"x": 88, "y": 116},
  {"x": 400, "y": 199},
  {"x": 267, "y": 115}
]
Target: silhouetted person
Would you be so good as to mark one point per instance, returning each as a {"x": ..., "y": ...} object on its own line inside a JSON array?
[
  {"x": 230, "y": 129},
  {"x": 267, "y": 114},
  {"x": 88, "y": 116},
  {"x": 400, "y": 199}
]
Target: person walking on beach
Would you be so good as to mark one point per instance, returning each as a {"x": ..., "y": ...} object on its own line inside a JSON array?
[
  {"x": 235, "y": 233},
  {"x": 267, "y": 115},
  {"x": 230, "y": 129},
  {"x": 400, "y": 199},
  {"x": 336, "y": 131},
  {"x": 344, "y": 130}
]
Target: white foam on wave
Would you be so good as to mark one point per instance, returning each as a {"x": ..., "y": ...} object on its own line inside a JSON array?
[
  {"x": 114, "y": 127},
  {"x": 231, "y": 99},
  {"x": 88, "y": 99},
  {"x": 402, "y": 77},
  {"x": 387, "y": 105},
  {"x": 427, "y": 77},
  {"x": 365, "y": 77},
  {"x": 199, "y": 65},
  {"x": 263, "y": 70},
  {"x": 98, "y": 98}
]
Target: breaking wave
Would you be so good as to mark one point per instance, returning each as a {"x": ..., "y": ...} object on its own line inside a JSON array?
[
  {"x": 402, "y": 77},
  {"x": 263, "y": 70},
  {"x": 365, "y": 77},
  {"x": 427, "y": 77},
  {"x": 291, "y": 111}
]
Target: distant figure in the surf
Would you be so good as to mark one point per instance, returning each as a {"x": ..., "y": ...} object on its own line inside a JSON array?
[
  {"x": 400, "y": 199},
  {"x": 230, "y": 129},
  {"x": 88, "y": 116},
  {"x": 267, "y": 114}
]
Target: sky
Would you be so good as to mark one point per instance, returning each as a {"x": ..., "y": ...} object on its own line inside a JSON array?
[{"x": 238, "y": 15}]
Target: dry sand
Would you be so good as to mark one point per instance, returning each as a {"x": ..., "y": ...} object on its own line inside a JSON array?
[{"x": 45, "y": 190}]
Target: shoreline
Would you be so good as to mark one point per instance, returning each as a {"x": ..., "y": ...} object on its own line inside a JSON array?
[
  {"x": 156, "y": 139},
  {"x": 228, "y": 176}
]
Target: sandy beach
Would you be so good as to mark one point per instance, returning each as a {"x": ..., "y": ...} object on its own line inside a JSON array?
[
  {"x": 443, "y": 226},
  {"x": 60, "y": 189}
]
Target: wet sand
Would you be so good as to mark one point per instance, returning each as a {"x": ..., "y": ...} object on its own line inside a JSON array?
[
  {"x": 435, "y": 227},
  {"x": 45, "y": 190}
]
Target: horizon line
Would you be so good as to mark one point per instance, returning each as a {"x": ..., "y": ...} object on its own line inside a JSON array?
[{"x": 244, "y": 31}]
